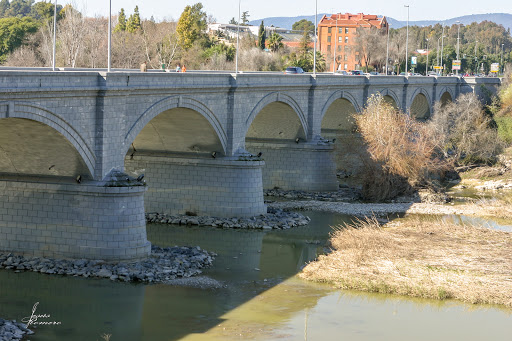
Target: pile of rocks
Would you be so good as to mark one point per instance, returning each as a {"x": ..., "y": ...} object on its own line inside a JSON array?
[
  {"x": 274, "y": 219},
  {"x": 12, "y": 330},
  {"x": 495, "y": 185},
  {"x": 163, "y": 265},
  {"x": 342, "y": 194}
]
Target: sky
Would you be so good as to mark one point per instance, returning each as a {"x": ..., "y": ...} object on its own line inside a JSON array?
[{"x": 223, "y": 10}]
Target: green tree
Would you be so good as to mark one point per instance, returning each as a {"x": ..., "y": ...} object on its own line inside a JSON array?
[
  {"x": 121, "y": 21},
  {"x": 13, "y": 32},
  {"x": 191, "y": 25},
  {"x": 44, "y": 11},
  {"x": 133, "y": 23},
  {"x": 19, "y": 8},
  {"x": 275, "y": 42},
  {"x": 4, "y": 7},
  {"x": 233, "y": 21},
  {"x": 261, "y": 36},
  {"x": 245, "y": 18},
  {"x": 221, "y": 49},
  {"x": 304, "y": 25}
]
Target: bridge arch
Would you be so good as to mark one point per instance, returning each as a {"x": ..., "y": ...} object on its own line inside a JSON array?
[
  {"x": 196, "y": 110},
  {"x": 420, "y": 105},
  {"x": 44, "y": 121},
  {"x": 339, "y": 95},
  {"x": 390, "y": 97},
  {"x": 445, "y": 96},
  {"x": 286, "y": 105}
]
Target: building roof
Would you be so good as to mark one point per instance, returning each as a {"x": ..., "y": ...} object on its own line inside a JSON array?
[{"x": 353, "y": 20}]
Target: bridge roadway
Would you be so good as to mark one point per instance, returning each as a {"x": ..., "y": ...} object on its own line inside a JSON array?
[{"x": 196, "y": 138}]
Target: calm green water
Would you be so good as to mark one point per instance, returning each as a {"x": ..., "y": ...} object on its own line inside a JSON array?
[{"x": 261, "y": 300}]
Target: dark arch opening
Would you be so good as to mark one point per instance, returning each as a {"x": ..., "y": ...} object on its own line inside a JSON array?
[
  {"x": 446, "y": 98},
  {"x": 391, "y": 101},
  {"x": 276, "y": 121},
  {"x": 33, "y": 149},
  {"x": 180, "y": 131},
  {"x": 420, "y": 109}
]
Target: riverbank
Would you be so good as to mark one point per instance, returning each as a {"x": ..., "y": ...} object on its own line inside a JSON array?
[
  {"x": 482, "y": 208},
  {"x": 417, "y": 258},
  {"x": 10, "y": 330},
  {"x": 163, "y": 266}
]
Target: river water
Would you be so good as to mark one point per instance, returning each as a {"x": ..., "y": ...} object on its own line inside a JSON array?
[{"x": 262, "y": 298}]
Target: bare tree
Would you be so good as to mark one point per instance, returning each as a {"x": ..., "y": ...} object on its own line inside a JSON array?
[
  {"x": 368, "y": 43},
  {"x": 94, "y": 52},
  {"x": 160, "y": 42},
  {"x": 71, "y": 35}
]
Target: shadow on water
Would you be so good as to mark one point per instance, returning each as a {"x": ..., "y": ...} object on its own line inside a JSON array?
[{"x": 248, "y": 263}]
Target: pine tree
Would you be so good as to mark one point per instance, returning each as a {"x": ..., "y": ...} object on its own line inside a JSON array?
[
  {"x": 261, "y": 36},
  {"x": 121, "y": 22},
  {"x": 133, "y": 24}
]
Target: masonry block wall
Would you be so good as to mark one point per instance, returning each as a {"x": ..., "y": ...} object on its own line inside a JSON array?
[
  {"x": 73, "y": 221},
  {"x": 210, "y": 187},
  {"x": 291, "y": 166}
]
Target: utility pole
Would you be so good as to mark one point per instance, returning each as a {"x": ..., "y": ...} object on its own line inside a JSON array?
[
  {"x": 501, "y": 63},
  {"x": 407, "y": 41},
  {"x": 387, "y": 50}
]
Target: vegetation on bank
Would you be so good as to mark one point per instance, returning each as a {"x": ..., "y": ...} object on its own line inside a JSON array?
[
  {"x": 429, "y": 259},
  {"x": 82, "y": 42}
]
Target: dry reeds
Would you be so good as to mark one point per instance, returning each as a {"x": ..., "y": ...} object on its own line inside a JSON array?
[{"x": 429, "y": 259}]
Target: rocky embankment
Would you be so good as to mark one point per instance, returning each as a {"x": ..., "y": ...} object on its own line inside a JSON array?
[
  {"x": 12, "y": 330},
  {"x": 343, "y": 194},
  {"x": 163, "y": 265},
  {"x": 274, "y": 219}
]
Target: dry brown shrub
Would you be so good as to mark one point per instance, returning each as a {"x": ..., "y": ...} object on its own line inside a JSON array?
[
  {"x": 403, "y": 153},
  {"x": 430, "y": 259},
  {"x": 466, "y": 131}
]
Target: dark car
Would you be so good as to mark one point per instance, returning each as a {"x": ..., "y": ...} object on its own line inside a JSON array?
[
  {"x": 357, "y": 73},
  {"x": 293, "y": 70}
]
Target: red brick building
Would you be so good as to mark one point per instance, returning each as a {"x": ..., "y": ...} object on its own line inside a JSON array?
[{"x": 337, "y": 35}]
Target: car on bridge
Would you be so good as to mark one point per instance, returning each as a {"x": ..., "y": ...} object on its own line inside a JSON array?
[
  {"x": 292, "y": 70},
  {"x": 342, "y": 73},
  {"x": 356, "y": 73}
]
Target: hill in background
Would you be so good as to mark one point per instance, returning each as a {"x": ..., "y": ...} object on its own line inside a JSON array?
[{"x": 504, "y": 19}]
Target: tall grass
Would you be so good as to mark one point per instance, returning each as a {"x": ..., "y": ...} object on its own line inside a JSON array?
[{"x": 430, "y": 259}]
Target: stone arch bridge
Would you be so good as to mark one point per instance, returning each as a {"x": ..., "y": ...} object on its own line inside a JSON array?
[{"x": 68, "y": 138}]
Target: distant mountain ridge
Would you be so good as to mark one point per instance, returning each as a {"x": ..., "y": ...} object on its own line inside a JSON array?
[{"x": 504, "y": 19}]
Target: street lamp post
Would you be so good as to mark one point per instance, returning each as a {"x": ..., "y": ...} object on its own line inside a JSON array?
[
  {"x": 458, "y": 39},
  {"x": 335, "y": 47},
  {"x": 442, "y": 48},
  {"x": 437, "y": 60},
  {"x": 316, "y": 29},
  {"x": 501, "y": 62},
  {"x": 237, "y": 37},
  {"x": 110, "y": 36},
  {"x": 387, "y": 50},
  {"x": 426, "y": 66},
  {"x": 407, "y": 41},
  {"x": 54, "y": 34}
]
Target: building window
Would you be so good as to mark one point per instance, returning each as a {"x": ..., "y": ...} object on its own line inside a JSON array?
[
  {"x": 346, "y": 40},
  {"x": 346, "y": 66},
  {"x": 346, "y": 58},
  {"x": 339, "y": 48},
  {"x": 328, "y": 30},
  {"x": 340, "y": 39},
  {"x": 346, "y": 30},
  {"x": 328, "y": 48},
  {"x": 340, "y": 30},
  {"x": 329, "y": 39}
]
